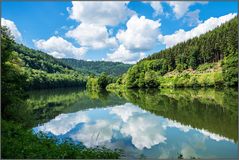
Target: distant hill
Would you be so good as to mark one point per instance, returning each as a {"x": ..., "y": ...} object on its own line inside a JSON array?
[
  {"x": 97, "y": 67},
  {"x": 38, "y": 60},
  {"x": 43, "y": 71}
]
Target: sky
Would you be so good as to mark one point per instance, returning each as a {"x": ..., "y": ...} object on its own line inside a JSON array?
[{"x": 117, "y": 31}]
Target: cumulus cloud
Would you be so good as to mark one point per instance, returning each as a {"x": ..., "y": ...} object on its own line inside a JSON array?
[
  {"x": 140, "y": 35},
  {"x": 181, "y": 35},
  {"x": 101, "y": 13},
  {"x": 125, "y": 111},
  {"x": 145, "y": 135},
  {"x": 13, "y": 29},
  {"x": 63, "y": 123},
  {"x": 180, "y": 8},
  {"x": 59, "y": 48},
  {"x": 91, "y": 35},
  {"x": 123, "y": 120},
  {"x": 124, "y": 55},
  {"x": 95, "y": 134}
]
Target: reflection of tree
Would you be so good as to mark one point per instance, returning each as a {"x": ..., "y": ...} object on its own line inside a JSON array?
[
  {"x": 215, "y": 111},
  {"x": 45, "y": 105}
]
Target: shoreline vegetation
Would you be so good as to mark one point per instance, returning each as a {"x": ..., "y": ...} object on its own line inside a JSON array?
[
  {"x": 210, "y": 60},
  {"x": 25, "y": 69}
]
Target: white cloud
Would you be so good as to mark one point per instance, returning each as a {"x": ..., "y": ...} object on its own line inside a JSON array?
[
  {"x": 192, "y": 18},
  {"x": 157, "y": 6},
  {"x": 101, "y": 13},
  {"x": 59, "y": 48},
  {"x": 63, "y": 123},
  {"x": 124, "y": 55},
  {"x": 174, "y": 124},
  {"x": 145, "y": 131},
  {"x": 96, "y": 134},
  {"x": 180, "y": 8},
  {"x": 186, "y": 128},
  {"x": 13, "y": 29},
  {"x": 91, "y": 35},
  {"x": 181, "y": 35},
  {"x": 129, "y": 121},
  {"x": 140, "y": 35},
  {"x": 125, "y": 111}
]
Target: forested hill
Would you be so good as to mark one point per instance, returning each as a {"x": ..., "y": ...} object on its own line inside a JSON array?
[
  {"x": 97, "y": 67},
  {"x": 38, "y": 70},
  {"x": 208, "y": 60},
  {"x": 39, "y": 60}
]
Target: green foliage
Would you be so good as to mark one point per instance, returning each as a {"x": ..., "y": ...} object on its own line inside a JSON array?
[
  {"x": 25, "y": 68},
  {"x": 13, "y": 77},
  {"x": 100, "y": 82},
  {"x": 199, "y": 108},
  {"x": 206, "y": 66},
  {"x": 38, "y": 60},
  {"x": 38, "y": 79},
  {"x": 197, "y": 61},
  {"x": 150, "y": 79},
  {"x": 213, "y": 79},
  {"x": 97, "y": 67},
  {"x": 92, "y": 84},
  {"x": 17, "y": 142},
  {"x": 230, "y": 69}
]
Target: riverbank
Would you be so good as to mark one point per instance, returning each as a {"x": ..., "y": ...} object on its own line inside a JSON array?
[{"x": 19, "y": 142}]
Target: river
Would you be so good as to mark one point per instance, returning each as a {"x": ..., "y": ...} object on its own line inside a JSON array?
[{"x": 167, "y": 123}]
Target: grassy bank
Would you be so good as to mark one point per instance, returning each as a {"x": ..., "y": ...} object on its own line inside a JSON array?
[
  {"x": 206, "y": 75},
  {"x": 19, "y": 142}
]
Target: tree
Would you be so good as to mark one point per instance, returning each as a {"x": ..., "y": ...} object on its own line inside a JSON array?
[
  {"x": 12, "y": 76},
  {"x": 103, "y": 80}
]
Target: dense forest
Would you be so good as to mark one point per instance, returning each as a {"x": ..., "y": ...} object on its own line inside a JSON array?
[
  {"x": 203, "y": 105},
  {"x": 208, "y": 60},
  {"x": 43, "y": 71},
  {"x": 97, "y": 67},
  {"x": 23, "y": 69}
]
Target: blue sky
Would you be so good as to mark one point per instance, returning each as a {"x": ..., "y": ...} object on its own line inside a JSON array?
[{"x": 113, "y": 31}]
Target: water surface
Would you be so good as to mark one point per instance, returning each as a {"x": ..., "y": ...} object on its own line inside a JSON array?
[{"x": 143, "y": 123}]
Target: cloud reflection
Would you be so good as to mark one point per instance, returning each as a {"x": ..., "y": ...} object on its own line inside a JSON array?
[{"x": 143, "y": 128}]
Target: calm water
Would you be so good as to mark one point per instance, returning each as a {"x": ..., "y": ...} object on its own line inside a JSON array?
[{"x": 144, "y": 124}]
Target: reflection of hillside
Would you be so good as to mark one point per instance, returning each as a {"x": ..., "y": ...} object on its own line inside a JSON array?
[
  {"x": 47, "y": 104},
  {"x": 215, "y": 111}
]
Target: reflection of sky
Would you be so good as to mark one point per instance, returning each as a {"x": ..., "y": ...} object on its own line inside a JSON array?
[{"x": 133, "y": 129}]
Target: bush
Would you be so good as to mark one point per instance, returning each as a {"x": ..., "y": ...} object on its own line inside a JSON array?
[{"x": 18, "y": 142}]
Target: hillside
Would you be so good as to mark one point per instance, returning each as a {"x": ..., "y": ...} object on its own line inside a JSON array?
[
  {"x": 42, "y": 71},
  {"x": 207, "y": 60},
  {"x": 97, "y": 67}
]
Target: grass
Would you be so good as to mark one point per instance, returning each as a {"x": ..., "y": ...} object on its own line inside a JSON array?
[
  {"x": 20, "y": 143},
  {"x": 206, "y": 75}
]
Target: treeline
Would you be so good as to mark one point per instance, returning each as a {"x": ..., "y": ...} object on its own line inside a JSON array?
[
  {"x": 97, "y": 67},
  {"x": 99, "y": 83},
  {"x": 204, "y": 106},
  {"x": 42, "y": 71},
  {"x": 38, "y": 60},
  {"x": 38, "y": 79},
  {"x": 184, "y": 60},
  {"x": 17, "y": 140},
  {"x": 34, "y": 69}
]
